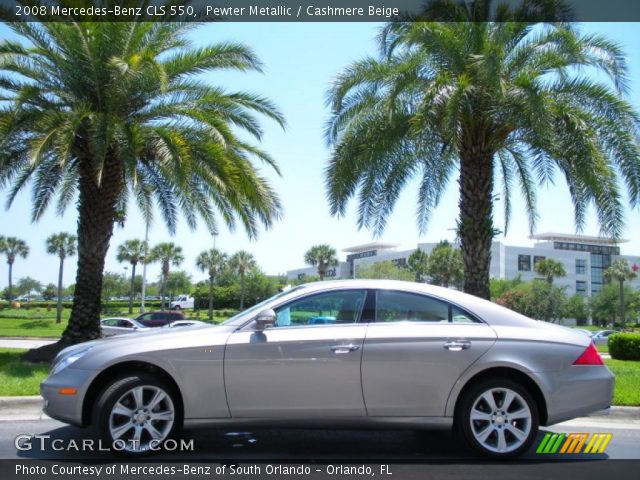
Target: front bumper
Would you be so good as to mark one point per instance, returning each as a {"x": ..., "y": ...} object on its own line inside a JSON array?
[{"x": 66, "y": 408}]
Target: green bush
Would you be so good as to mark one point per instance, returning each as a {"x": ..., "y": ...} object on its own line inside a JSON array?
[{"x": 624, "y": 346}]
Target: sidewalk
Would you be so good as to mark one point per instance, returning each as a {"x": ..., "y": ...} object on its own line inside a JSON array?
[{"x": 28, "y": 343}]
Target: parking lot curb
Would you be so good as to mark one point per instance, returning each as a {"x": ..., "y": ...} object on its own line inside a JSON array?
[{"x": 18, "y": 403}]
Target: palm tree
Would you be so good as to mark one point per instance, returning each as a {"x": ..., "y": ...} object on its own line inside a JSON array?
[
  {"x": 323, "y": 256},
  {"x": 480, "y": 99},
  {"x": 242, "y": 262},
  {"x": 549, "y": 269},
  {"x": 132, "y": 251},
  {"x": 63, "y": 245},
  {"x": 13, "y": 247},
  {"x": 110, "y": 111},
  {"x": 445, "y": 265},
  {"x": 167, "y": 253},
  {"x": 418, "y": 262},
  {"x": 620, "y": 271},
  {"x": 211, "y": 261}
]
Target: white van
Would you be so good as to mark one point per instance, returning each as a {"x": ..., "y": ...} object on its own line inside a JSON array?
[{"x": 182, "y": 302}]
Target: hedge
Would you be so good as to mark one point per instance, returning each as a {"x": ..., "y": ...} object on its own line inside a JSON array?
[
  {"x": 106, "y": 304},
  {"x": 624, "y": 346}
]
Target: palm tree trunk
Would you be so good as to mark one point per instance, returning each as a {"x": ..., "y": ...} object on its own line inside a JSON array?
[
  {"x": 241, "y": 291},
  {"x": 96, "y": 212},
  {"x": 622, "y": 309},
  {"x": 162, "y": 290},
  {"x": 211, "y": 298},
  {"x": 59, "y": 307},
  {"x": 475, "y": 225},
  {"x": 131, "y": 290},
  {"x": 10, "y": 283}
]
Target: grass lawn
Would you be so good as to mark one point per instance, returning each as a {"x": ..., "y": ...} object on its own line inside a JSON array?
[
  {"x": 604, "y": 348},
  {"x": 18, "y": 377},
  {"x": 627, "y": 372},
  {"x": 31, "y": 323},
  {"x": 42, "y": 323}
]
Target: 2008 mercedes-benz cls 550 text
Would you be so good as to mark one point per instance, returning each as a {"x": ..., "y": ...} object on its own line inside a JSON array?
[{"x": 353, "y": 353}]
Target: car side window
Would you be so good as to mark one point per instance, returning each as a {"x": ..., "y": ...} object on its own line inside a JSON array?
[
  {"x": 328, "y": 308},
  {"x": 146, "y": 317},
  {"x": 395, "y": 306},
  {"x": 460, "y": 316},
  {"x": 110, "y": 323},
  {"x": 125, "y": 324}
]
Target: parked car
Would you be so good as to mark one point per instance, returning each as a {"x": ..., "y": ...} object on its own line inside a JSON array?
[
  {"x": 601, "y": 337},
  {"x": 418, "y": 356},
  {"x": 159, "y": 318},
  {"x": 186, "y": 323},
  {"x": 182, "y": 302},
  {"x": 118, "y": 326},
  {"x": 588, "y": 333}
]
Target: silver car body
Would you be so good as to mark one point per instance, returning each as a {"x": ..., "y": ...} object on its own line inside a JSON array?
[{"x": 366, "y": 373}]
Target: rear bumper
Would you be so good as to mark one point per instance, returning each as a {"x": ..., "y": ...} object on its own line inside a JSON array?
[
  {"x": 66, "y": 408},
  {"x": 581, "y": 390}
]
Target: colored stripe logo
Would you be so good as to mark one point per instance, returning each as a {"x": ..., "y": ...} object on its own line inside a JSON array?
[{"x": 574, "y": 443}]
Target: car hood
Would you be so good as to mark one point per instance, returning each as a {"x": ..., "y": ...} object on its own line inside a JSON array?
[{"x": 105, "y": 350}]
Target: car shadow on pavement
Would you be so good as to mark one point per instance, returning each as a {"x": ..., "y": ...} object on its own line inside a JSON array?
[{"x": 290, "y": 444}]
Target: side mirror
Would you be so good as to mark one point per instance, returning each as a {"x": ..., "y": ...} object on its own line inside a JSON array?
[{"x": 265, "y": 319}]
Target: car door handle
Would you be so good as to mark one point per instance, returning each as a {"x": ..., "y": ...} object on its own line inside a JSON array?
[
  {"x": 352, "y": 347},
  {"x": 457, "y": 345}
]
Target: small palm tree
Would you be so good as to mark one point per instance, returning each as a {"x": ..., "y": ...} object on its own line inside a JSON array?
[
  {"x": 323, "y": 256},
  {"x": 108, "y": 112},
  {"x": 242, "y": 262},
  {"x": 63, "y": 245},
  {"x": 167, "y": 253},
  {"x": 620, "y": 271},
  {"x": 549, "y": 269},
  {"x": 483, "y": 94},
  {"x": 13, "y": 247},
  {"x": 445, "y": 265},
  {"x": 132, "y": 251},
  {"x": 418, "y": 263},
  {"x": 211, "y": 261}
]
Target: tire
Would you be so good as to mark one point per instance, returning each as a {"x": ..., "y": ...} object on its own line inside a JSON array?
[
  {"x": 144, "y": 404},
  {"x": 502, "y": 428}
]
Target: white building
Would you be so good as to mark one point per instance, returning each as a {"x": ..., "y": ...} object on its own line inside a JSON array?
[{"x": 584, "y": 258}]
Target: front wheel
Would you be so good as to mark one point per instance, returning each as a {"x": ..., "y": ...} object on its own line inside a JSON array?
[
  {"x": 136, "y": 414},
  {"x": 498, "y": 418}
]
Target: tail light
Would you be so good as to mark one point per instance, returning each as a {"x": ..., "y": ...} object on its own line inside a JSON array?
[{"x": 589, "y": 357}]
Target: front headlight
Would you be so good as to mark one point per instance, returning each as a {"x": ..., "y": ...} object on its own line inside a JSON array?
[{"x": 68, "y": 360}]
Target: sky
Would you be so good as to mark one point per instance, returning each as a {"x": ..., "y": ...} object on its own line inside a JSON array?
[{"x": 300, "y": 62}]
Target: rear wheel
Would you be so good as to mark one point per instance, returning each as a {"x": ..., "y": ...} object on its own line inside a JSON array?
[
  {"x": 136, "y": 414},
  {"x": 498, "y": 418}
]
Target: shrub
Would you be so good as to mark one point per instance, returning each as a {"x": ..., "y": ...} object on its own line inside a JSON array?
[{"x": 624, "y": 346}]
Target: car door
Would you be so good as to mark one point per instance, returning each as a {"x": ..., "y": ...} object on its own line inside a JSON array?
[
  {"x": 306, "y": 366},
  {"x": 415, "y": 351}
]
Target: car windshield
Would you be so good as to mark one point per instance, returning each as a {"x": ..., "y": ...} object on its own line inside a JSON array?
[{"x": 258, "y": 306}]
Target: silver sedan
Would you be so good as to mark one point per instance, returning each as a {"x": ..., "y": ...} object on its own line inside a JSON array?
[{"x": 351, "y": 353}]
